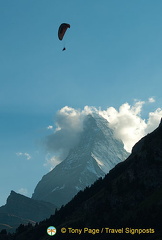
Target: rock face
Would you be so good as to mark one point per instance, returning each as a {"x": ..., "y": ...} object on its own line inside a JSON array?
[
  {"x": 22, "y": 210},
  {"x": 96, "y": 153}
]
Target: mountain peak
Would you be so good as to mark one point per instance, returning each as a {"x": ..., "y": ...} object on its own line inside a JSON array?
[
  {"x": 21, "y": 209},
  {"x": 14, "y": 196},
  {"x": 96, "y": 153},
  {"x": 13, "y": 193}
]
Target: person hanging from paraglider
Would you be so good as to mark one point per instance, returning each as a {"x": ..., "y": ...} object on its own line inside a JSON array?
[{"x": 61, "y": 32}]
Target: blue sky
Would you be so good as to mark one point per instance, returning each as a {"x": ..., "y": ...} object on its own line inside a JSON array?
[{"x": 113, "y": 55}]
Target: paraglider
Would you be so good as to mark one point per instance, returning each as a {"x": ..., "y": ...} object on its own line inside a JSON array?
[{"x": 61, "y": 32}]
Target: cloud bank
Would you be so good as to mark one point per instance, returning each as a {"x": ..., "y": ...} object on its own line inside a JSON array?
[{"x": 126, "y": 122}]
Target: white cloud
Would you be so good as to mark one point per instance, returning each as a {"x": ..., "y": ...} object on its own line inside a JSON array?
[
  {"x": 50, "y": 127},
  {"x": 19, "y": 154},
  {"x": 153, "y": 120},
  {"x": 151, "y": 100},
  {"x": 51, "y": 161},
  {"x": 126, "y": 122},
  {"x": 26, "y": 155},
  {"x": 69, "y": 122}
]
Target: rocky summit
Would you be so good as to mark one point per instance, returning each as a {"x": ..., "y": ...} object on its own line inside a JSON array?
[{"x": 95, "y": 155}]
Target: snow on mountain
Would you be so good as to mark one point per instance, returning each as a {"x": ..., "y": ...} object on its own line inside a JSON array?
[{"x": 95, "y": 155}]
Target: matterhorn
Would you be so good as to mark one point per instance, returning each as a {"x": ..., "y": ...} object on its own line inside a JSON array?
[{"x": 96, "y": 153}]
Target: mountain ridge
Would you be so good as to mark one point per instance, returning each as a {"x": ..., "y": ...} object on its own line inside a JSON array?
[{"x": 20, "y": 209}]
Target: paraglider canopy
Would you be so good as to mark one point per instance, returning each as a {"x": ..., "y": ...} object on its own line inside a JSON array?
[{"x": 62, "y": 29}]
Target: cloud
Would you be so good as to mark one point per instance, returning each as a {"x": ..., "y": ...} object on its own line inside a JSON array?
[
  {"x": 51, "y": 161},
  {"x": 50, "y": 127},
  {"x": 151, "y": 100},
  {"x": 126, "y": 122},
  {"x": 69, "y": 125},
  {"x": 153, "y": 120},
  {"x": 26, "y": 155}
]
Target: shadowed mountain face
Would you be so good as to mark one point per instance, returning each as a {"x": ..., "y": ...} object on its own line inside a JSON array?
[
  {"x": 130, "y": 196},
  {"x": 23, "y": 210},
  {"x": 96, "y": 153}
]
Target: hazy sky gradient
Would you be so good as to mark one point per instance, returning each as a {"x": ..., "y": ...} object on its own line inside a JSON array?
[{"x": 113, "y": 56}]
